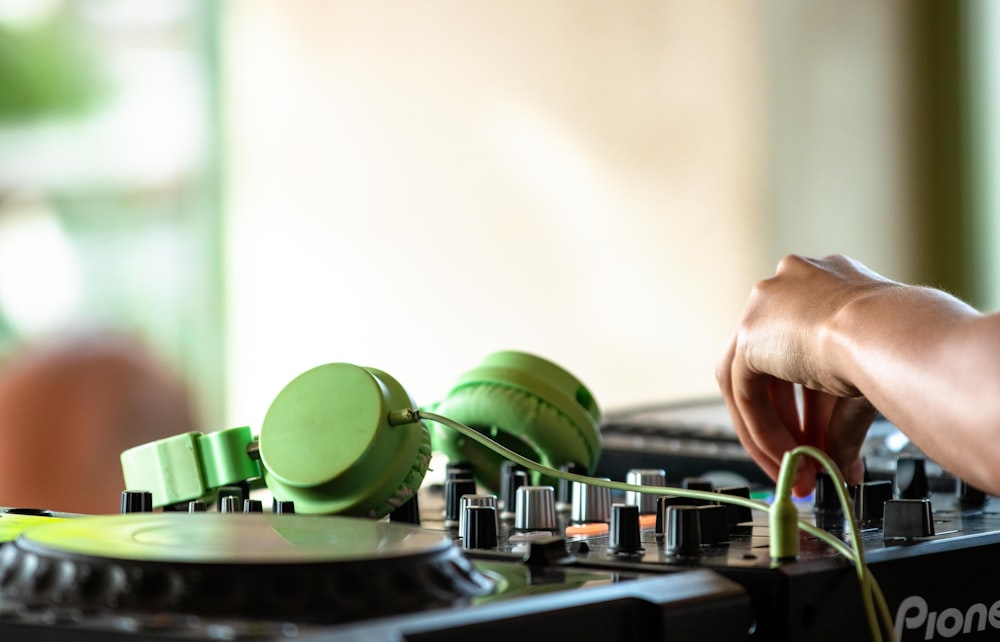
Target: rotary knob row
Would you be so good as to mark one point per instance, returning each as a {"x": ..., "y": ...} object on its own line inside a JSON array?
[
  {"x": 874, "y": 506},
  {"x": 141, "y": 501}
]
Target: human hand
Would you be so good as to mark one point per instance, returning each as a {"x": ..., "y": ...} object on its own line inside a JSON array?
[{"x": 785, "y": 340}]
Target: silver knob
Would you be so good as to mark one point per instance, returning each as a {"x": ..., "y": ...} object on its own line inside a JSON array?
[
  {"x": 590, "y": 503},
  {"x": 644, "y": 477},
  {"x": 536, "y": 508}
]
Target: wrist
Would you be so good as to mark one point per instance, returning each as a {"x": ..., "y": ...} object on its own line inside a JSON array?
[{"x": 852, "y": 330}]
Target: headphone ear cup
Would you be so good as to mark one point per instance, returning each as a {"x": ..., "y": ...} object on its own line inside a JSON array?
[
  {"x": 525, "y": 403},
  {"x": 326, "y": 443}
]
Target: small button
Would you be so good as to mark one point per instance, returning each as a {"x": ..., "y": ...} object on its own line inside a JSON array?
[
  {"x": 869, "y": 500},
  {"x": 908, "y": 519}
]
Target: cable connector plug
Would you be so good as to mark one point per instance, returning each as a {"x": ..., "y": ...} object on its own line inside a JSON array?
[
  {"x": 784, "y": 515},
  {"x": 404, "y": 416}
]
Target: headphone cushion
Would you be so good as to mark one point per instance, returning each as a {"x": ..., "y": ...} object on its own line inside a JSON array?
[
  {"x": 411, "y": 483},
  {"x": 519, "y": 420}
]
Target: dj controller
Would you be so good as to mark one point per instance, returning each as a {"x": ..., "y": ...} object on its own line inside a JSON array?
[{"x": 510, "y": 553}]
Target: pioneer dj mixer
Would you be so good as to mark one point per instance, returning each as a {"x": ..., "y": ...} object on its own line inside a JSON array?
[{"x": 233, "y": 541}]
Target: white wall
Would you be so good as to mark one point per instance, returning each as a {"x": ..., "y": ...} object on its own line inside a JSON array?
[{"x": 414, "y": 185}]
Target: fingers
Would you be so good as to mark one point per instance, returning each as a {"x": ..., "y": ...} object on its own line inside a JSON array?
[
  {"x": 850, "y": 420},
  {"x": 816, "y": 410},
  {"x": 765, "y": 416},
  {"x": 762, "y": 409}
]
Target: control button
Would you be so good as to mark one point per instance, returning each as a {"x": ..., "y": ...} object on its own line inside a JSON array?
[
  {"x": 197, "y": 506},
  {"x": 968, "y": 497},
  {"x": 590, "y": 504},
  {"x": 869, "y": 500},
  {"x": 536, "y": 508},
  {"x": 736, "y": 514},
  {"x": 235, "y": 492},
  {"x": 564, "y": 491},
  {"x": 137, "y": 501},
  {"x": 662, "y": 503},
  {"x": 408, "y": 513},
  {"x": 697, "y": 483},
  {"x": 911, "y": 478},
  {"x": 547, "y": 551},
  {"x": 714, "y": 524},
  {"x": 458, "y": 470},
  {"x": 825, "y": 499},
  {"x": 683, "y": 530},
  {"x": 476, "y": 500},
  {"x": 479, "y": 527},
  {"x": 283, "y": 507},
  {"x": 623, "y": 536},
  {"x": 253, "y": 506},
  {"x": 908, "y": 519},
  {"x": 453, "y": 491},
  {"x": 513, "y": 477},
  {"x": 644, "y": 477},
  {"x": 229, "y": 504}
]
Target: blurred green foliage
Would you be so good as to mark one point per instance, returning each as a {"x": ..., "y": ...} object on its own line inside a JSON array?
[{"x": 46, "y": 69}]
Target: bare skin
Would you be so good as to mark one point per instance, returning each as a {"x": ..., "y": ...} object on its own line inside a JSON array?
[{"x": 856, "y": 341}]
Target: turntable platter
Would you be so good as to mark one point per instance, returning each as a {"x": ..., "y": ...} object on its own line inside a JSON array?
[{"x": 334, "y": 568}]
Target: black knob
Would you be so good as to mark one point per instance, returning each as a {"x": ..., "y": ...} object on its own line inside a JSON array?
[
  {"x": 235, "y": 492},
  {"x": 908, "y": 519},
  {"x": 662, "y": 503},
  {"x": 825, "y": 498},
  {"x": 736, "y": 514},
  {"x": 479, "y": 527},
  {"x": 697, "y": 483},
  {"x": 408, "y": 513},
  {"x": 137, "y": 501},
  {"x": 714, "y": 524},
  {"x": 911, "y": 478},
  {"x": 968, "y": 497},
  {"x": 253, "y": 506},
  {"x": 453, "y": 491},
  {"x": 869, "y": 500},
  {"x": 683, "y": 530},
  {"x": 564, "y": 490},
  {"x": 624, "y": 530},
  {"x": 283, "y": 507},
  {"x": 459, "y": 470},
  {"x": 476, "y": 500},
  {"x": 197, "y": 506},
  {"x": 229, "y": 504},
  {"x": 512, "y": 477}
]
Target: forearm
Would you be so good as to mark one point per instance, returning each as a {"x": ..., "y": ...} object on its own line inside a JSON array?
[{"x": 931, "y": 365}]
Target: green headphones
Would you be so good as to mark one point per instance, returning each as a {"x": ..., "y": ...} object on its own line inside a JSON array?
[{"x": 327, "y": 444}]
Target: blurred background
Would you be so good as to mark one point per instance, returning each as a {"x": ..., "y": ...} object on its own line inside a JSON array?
[{"x": 258, "y": 187}]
